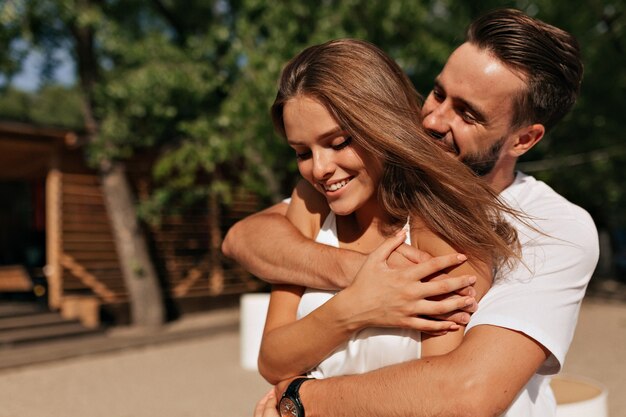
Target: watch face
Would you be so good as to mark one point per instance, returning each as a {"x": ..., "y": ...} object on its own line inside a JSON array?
[{"x": 288, "y": 408}]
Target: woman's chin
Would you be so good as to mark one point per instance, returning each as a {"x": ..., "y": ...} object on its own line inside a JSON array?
[{"x": 341, "y": 209}]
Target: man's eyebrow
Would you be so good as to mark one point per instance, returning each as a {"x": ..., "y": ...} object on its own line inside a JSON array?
[{"x": 334, "y": 132}]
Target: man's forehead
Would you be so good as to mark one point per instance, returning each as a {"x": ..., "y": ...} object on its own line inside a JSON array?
[{"x": 476, "y": 76}]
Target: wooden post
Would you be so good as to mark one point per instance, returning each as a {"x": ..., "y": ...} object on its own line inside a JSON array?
[
  {"x": 216, "y": 274},
  {"x": 53, "y": 269}
]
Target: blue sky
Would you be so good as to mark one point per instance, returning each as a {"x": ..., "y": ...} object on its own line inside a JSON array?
[{"x": 28, "y": 79}]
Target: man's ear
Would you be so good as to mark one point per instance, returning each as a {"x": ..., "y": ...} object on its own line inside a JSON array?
[{"x": 527, "y": 137}]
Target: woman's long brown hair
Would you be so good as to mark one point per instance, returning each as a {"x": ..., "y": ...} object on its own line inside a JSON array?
[{"x": 374, "y": 101}]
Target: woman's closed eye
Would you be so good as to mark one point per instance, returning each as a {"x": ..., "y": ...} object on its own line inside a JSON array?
[
  {"x": 303, "y": 155},
  {"x": 346, "y": 142},
  {"x": 339, "y": 143}
]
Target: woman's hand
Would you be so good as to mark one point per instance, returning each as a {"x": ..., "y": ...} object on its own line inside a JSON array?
[
  {"x": 266, "y": 407},
  {"x": 383, "y": 295},
  {"x": 406, "y": 255}
]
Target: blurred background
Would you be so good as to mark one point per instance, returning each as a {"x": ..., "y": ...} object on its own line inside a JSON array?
[
  {"x": 157, "y": 110},
  {"x": 133, "y": 133}
]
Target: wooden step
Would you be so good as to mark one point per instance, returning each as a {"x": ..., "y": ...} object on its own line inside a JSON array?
[
  {"x": 14, "y": 278},
  {"x": 65, "y": 330},
  {"x": 13, "y": 309},
  {"x": 30, "y": 320}
]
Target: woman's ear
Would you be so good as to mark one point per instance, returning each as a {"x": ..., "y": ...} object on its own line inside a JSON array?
[{"x": 527, "y": 137}]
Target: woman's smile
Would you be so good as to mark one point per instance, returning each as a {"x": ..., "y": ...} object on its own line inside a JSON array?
[{"x": 331, "y": 187}]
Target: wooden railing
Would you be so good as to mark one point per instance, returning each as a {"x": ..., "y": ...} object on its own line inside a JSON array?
[
  {"x": 88, "y": 279},
  {"x": 82, "y": 256}
]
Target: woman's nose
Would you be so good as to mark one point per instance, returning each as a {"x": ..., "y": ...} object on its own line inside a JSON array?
[{"x": 323, "y": 165}]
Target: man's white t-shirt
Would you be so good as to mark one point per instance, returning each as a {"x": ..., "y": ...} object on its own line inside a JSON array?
[{"x": 541, "y": 297}]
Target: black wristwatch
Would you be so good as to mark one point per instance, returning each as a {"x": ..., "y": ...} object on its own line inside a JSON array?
[{"x": 290, "y": 404}]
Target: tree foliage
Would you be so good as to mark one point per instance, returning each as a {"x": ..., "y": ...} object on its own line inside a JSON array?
[
  {"x": 195, "y": 79},
  {"x": 52, "y": 105}
]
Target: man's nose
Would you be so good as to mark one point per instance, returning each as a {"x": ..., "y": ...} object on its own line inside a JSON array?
[
  {"x": 437, "y": 119},
  {"x": 323, "y": 165}
]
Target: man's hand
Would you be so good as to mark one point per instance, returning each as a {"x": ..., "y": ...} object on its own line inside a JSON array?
[{"x": 383, "y": 296}]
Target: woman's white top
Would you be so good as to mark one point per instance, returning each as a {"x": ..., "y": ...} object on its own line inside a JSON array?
[{"x": 368, "y": 349}]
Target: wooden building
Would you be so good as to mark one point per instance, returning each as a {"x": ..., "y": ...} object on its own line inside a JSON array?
[{"x": 55, "y": 232}]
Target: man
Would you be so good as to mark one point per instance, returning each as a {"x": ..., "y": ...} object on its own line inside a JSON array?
[{"x": 513, "y": 79}]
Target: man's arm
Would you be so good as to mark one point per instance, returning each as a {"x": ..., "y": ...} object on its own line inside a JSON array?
[
  {"x": 288, "y": 257},
  {"x": 270, "y": 247},
  {"x": 466, "y": 382},
  {"x": 539, "y": 300}
]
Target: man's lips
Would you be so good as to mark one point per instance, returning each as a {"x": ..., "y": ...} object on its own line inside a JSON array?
[
  {"x": 435, "y": 135},
  {"x": 446, "y": 145}
]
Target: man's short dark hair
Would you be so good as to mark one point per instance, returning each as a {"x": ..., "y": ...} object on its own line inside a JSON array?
[{"x": 547, "y": 57}]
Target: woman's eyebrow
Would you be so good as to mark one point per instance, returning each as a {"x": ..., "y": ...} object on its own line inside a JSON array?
[{"x": 336, "y": 131}]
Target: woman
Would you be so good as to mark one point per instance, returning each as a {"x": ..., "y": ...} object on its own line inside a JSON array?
[{"x": 352, "y": 117}]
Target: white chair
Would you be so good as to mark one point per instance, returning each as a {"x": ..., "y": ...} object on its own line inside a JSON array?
[
  {"x": 578, "y": 396},
  {"x": 253, "y": 309}
]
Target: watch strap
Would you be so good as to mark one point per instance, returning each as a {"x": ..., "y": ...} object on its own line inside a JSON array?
[{"x": 293, "y": 393}]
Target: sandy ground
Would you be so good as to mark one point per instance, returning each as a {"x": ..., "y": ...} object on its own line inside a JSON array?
[{"x": 202, "y": 376}]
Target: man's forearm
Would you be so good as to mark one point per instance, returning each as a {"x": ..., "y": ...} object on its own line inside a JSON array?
[
  {"x": 480, "y": 378},
  {"x": 410, "y": 389},
  {"x": 270, "y": 247}
]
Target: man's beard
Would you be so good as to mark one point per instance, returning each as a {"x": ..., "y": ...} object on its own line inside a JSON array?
[{"x": 482, "y": 163}]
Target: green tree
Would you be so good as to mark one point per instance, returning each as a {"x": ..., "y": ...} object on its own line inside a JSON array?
[
  {"x": 194, "y": 80},
  {"x": 49, "y": 25},
  {"x": 52, "y": 105},
  {"x": 15, "y": 104}
]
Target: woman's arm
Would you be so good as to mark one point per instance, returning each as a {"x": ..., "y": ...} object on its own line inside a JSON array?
[
  {"x": 291, "y": 347},
  {"x": 428, "y": 241},
  {"x": 380, "y": 297}
]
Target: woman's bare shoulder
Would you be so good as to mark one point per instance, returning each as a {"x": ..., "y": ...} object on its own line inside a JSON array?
[{"x": 308, "y": 209}]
